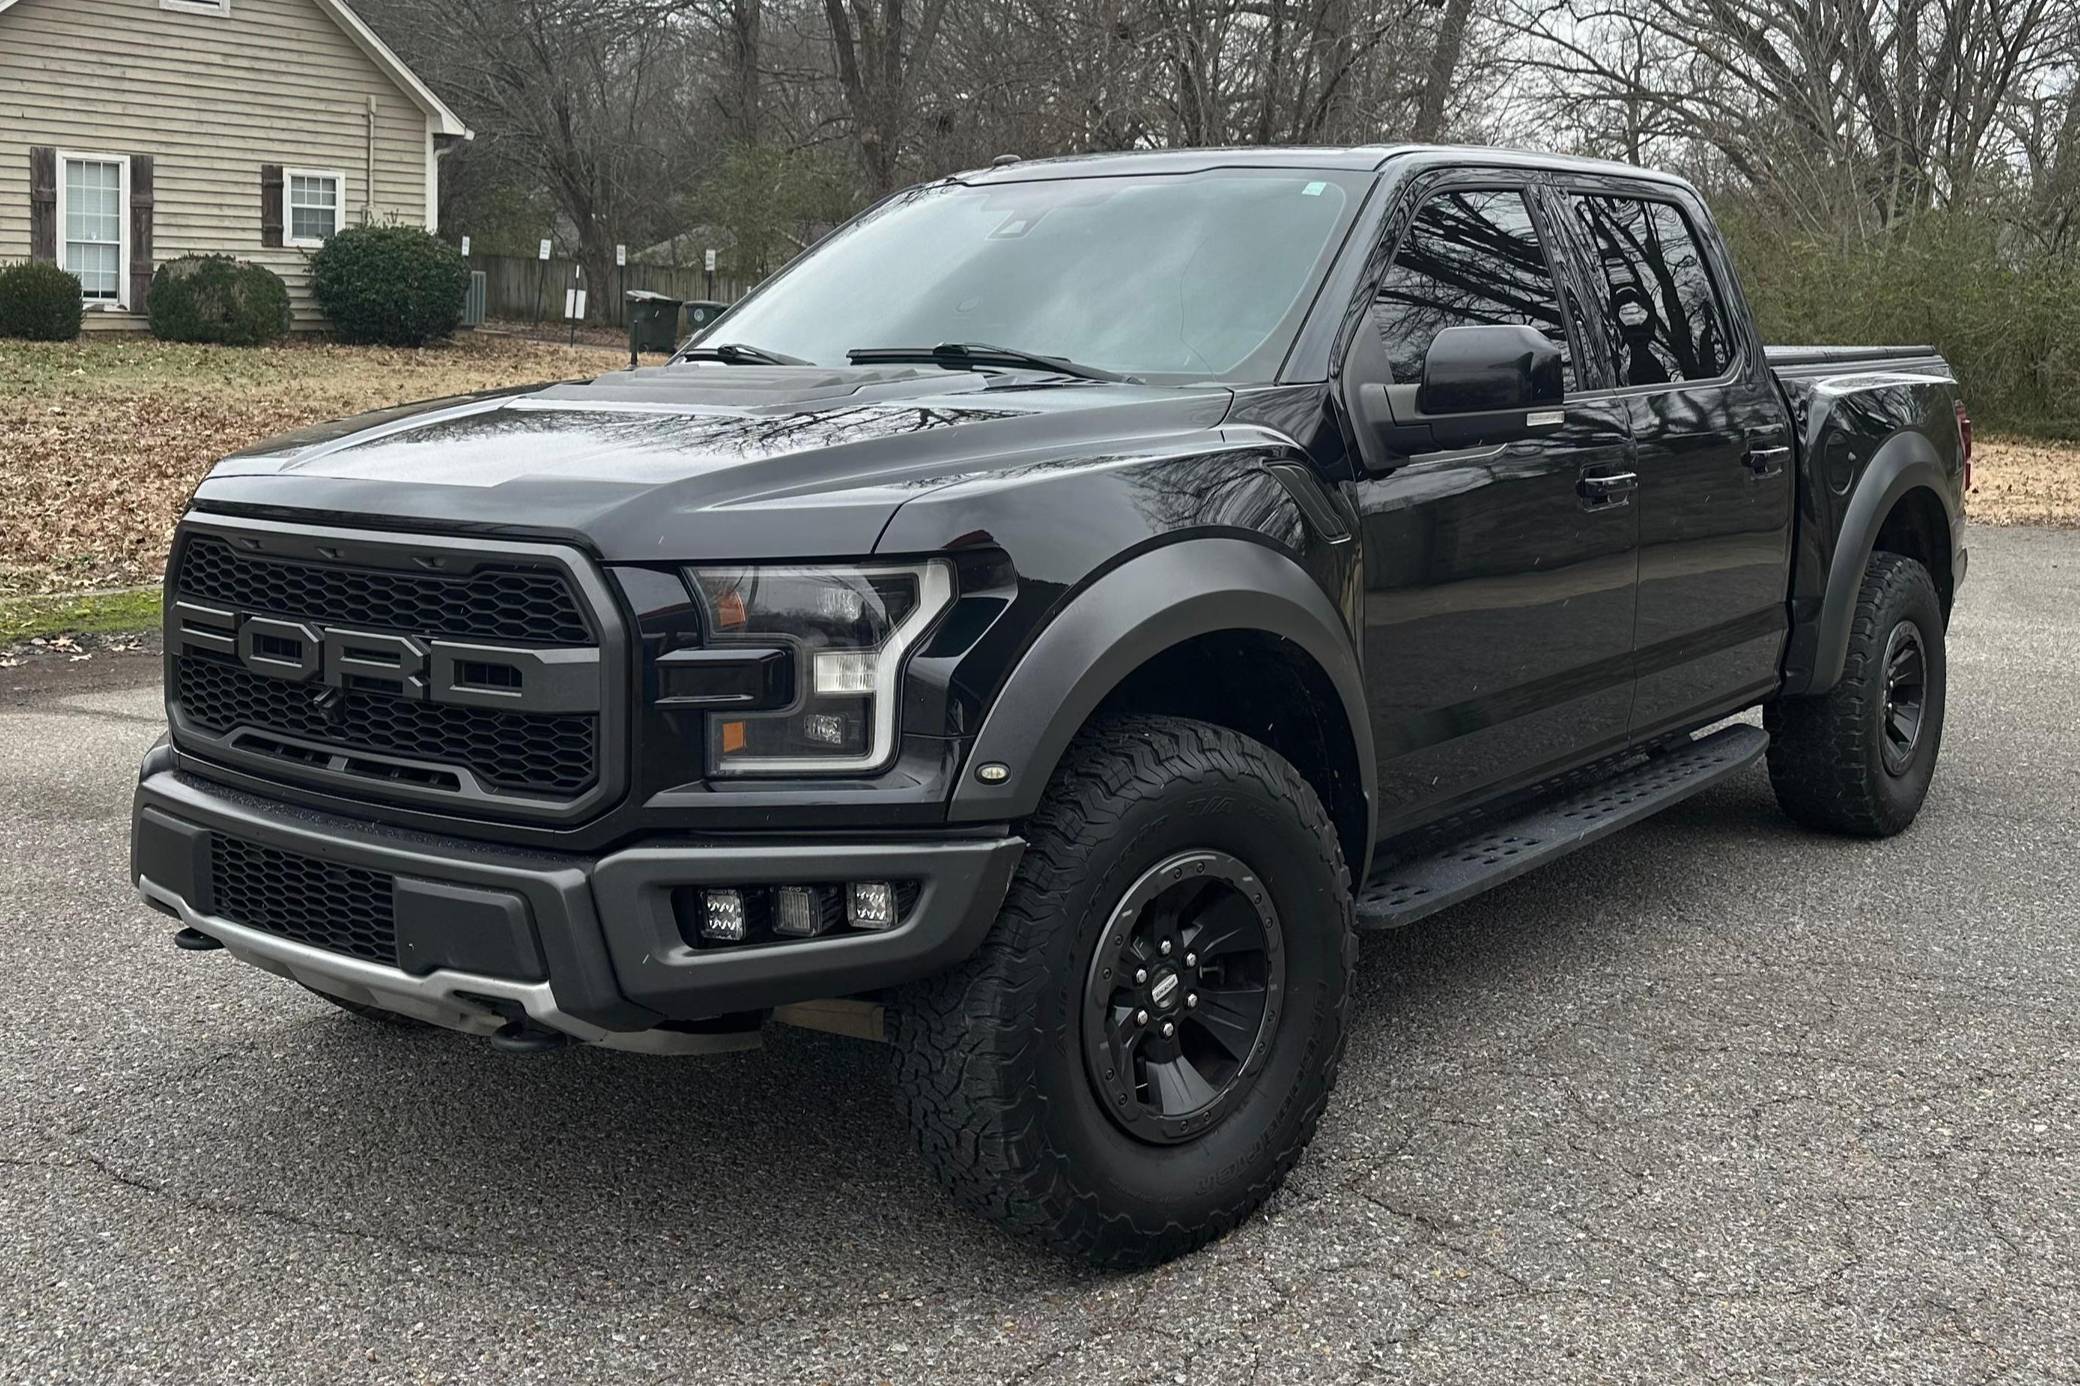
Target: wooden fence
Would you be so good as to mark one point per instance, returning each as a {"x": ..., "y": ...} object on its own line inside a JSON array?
[{"x": 519, "y": 289}]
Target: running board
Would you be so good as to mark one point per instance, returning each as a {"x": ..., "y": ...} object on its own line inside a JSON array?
[{"x": 1410, "y": 889}]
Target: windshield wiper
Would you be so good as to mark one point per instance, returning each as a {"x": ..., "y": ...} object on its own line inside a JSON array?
[
  {"x": 739, "y": 354},
  {"x": 967, "y": 355}
]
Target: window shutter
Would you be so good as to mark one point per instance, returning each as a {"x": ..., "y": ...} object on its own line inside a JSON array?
[
  {"x": 271, "y": 205},
  {"x": 43, "y": 203},
  {"x": 140, "y": 230}
]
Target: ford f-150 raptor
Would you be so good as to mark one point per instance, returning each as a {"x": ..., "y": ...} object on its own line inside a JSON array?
[{"x": 1041, "y": 627}]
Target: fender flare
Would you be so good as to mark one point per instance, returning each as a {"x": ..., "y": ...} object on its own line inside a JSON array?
[
  {"x": 1141, "y": 608},
  {"x": 1904, "y": 462}
]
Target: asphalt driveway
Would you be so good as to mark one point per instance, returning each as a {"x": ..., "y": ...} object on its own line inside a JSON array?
[{"x": 1718, "y": 1100}]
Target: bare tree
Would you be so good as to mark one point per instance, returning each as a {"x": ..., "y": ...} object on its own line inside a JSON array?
[
  {"x": 878, "y": 57},
  {"x": 1847, "y": 112}
]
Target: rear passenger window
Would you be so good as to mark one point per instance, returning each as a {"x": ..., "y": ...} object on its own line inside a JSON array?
[
  {"x": 1664, "y": 316},
  {"x": 1470, "y": 258}
]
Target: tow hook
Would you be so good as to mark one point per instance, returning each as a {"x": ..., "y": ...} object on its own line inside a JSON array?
[
  {"x": 518, "y": 1037},
  {"x": 195, "y": 941}
]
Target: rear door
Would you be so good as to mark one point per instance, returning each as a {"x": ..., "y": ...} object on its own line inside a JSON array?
[
  {"x": 1499, "y": 579},
  {"x": 1711, "y": 446}
]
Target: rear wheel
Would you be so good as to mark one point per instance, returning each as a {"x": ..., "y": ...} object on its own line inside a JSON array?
[
  {"x": 1143, "y": 1045},
  {"x": 1858, "y": 759}
]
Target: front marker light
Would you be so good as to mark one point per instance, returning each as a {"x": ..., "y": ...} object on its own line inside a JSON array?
[{"x": 848, "y": 631}]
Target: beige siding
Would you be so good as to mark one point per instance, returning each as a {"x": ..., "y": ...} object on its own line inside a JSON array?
[{"x": 210, "y": 99}]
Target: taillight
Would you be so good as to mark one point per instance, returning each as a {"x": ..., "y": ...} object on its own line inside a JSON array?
[{"x": 1964, "y": 442}]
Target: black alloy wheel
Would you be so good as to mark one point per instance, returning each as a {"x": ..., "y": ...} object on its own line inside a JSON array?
[
  {"x": 1184, "y": 986},
  {"x": 1906, "y": 695}
]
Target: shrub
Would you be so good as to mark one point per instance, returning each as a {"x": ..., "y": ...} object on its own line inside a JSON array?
[
  {"x": 390, "y": 285},
  {"x": 214, "y": 298},
  {"x": 1997, "y": 306},
  {"x": 39, "y": 301}
]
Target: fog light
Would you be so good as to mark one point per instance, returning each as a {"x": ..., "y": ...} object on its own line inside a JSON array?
[
  {"x": 722, "y": 916},
  {"x": 873, "y": 905},
  {"x": 798, "y": 911}
]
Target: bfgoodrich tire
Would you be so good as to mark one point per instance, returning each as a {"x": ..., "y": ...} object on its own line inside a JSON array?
[
  {"x": 1858, "y": 759},
  {"x": 1142, "y": 1047}
]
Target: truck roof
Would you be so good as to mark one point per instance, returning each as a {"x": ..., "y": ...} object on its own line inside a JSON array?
[{"x": 1357, "y": 158}]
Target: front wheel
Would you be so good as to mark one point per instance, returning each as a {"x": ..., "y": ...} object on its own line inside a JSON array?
[
  {"x": 1858, "y": 758},
  {"x": 1142, "y": 1047}
]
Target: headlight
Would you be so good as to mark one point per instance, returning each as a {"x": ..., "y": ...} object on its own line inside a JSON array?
[{"x": 849, "y": 630}]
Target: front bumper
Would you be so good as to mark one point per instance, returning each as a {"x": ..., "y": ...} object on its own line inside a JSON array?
[{"x": 590, "y": 947}]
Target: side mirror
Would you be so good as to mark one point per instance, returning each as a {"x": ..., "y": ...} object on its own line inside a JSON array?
[{"x": 1484, "y": 370}]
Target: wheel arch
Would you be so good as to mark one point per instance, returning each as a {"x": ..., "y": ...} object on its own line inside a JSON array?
[
  {"x": 1897, "y": 507},
  {"x": 1146, "y": 636}
]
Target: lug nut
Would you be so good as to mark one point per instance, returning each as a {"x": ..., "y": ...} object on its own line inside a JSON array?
[
  {"x": 1191, "y": 998},
  {"x": 1166, "y": 947},
  {"x": 1191, "y": 960},
  {"x": 1140, "y": 975},
  {"x": 1168, "y": 1029},
  {"x": 1141, "y": 1017}
]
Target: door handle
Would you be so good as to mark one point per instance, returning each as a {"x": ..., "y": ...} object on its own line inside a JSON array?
[
  {"x": 1610, "y": 491},
  {"x": 1766, "y": 462}
]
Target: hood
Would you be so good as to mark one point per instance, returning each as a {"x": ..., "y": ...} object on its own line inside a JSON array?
[{"x": 696, "y": 460}]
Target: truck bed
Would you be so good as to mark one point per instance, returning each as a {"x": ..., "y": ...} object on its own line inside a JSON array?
[{"x": 1783, "y": 358}]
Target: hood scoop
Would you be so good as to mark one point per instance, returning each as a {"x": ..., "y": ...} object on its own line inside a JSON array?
[{"x": 717, "y": 385}]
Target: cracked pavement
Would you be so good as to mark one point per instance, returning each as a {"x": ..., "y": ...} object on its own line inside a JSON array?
[{"x": 1715, "y": 1101}]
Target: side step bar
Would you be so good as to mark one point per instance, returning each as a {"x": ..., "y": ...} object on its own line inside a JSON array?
[{"x": 1407, "y": 890}]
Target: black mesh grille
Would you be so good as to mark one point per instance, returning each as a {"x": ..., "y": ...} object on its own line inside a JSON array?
[
  {"x": 491, "y": 604},
  {"x": 343, "y": 909},
  {"x": 540, "y": 753}
]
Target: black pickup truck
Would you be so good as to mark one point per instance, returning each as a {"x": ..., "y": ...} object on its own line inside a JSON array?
[{"x": 1041, "y": 627}]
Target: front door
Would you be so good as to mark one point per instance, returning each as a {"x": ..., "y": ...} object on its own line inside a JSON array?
[
  {"x": 1499, "y": 580},
  {"x": 1713, "y": 453}
]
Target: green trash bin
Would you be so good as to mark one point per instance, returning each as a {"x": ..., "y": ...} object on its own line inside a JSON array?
[
  {"x": 653, "y": 322},
  {"x": 700, "y": 312}
]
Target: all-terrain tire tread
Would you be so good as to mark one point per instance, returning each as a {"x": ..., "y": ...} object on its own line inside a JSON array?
[
  {"x": 1820, "y": 747},
  {"x": 963, "y": 1042}
]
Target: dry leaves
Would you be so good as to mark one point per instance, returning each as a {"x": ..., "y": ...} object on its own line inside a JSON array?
[
  {"x": 103, "y": 440},
  {"x": 2021, "y": 481}
]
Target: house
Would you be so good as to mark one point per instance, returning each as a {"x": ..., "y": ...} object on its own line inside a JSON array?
[{"x": 136, "y": 131}]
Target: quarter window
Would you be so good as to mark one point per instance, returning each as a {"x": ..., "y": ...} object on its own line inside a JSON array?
[
  {"x": 1470, "y": 258},
  {"x": 91, "y": 215},
  {"x": 315, "y": 205},
  {"x": 1662, "y": 312}
]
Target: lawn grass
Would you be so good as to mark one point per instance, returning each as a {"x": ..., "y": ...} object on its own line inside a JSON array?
[
  {"x": 93, "y": 613},
  {"x": 102, "y": 440}
]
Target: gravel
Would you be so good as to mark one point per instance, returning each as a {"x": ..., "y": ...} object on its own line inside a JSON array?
[{"x": 1716, "y": 1101}]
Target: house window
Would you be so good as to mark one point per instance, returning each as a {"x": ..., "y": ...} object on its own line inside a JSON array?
[
  {"x": 93, "y": 225},
  {"x": 317, "y": 204}
]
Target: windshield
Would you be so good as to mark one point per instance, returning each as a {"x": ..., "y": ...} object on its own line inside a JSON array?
[{"x": 1185, "y": 276}]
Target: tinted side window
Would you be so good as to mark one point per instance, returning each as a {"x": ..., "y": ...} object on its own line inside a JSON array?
[
  {"x": 1665, "y": 318},
  {"x": 1469, "y": 258}
]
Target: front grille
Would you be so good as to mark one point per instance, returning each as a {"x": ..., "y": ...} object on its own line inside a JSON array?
[
  {"x": 343, "y": 663},
  {"x": 490, "y": 604},
  {"x": 538, "y": 753},
  {"x": 342, "y": 909}
]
